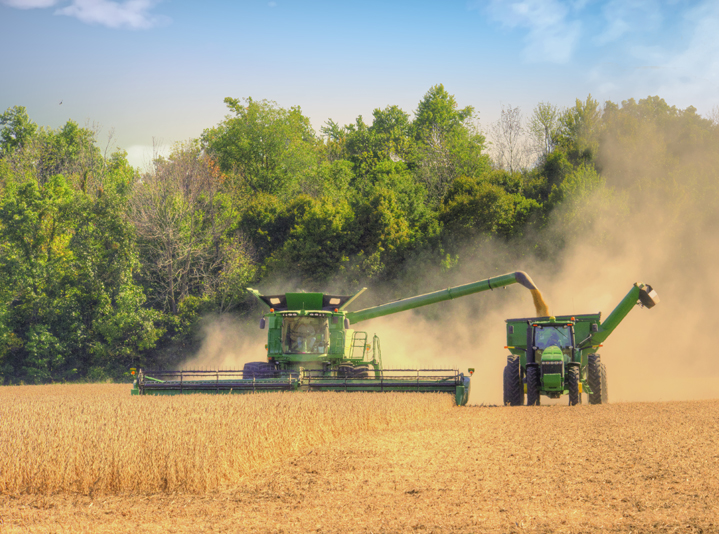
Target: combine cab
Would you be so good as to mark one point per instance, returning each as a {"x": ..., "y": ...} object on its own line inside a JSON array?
[
  {"x": 555, "y": 356},
  {"x": 311, "y": 346}
]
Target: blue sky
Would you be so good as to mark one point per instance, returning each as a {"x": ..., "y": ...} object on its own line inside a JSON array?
[{"x": 161, "y": 70}]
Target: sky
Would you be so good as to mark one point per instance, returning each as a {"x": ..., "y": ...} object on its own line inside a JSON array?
[{"x": 156, "y": 72}]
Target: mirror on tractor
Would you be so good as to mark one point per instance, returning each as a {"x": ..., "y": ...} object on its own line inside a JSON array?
[
  {"x": 347, "y": 324},
  {"x": 263, "y": 322}
]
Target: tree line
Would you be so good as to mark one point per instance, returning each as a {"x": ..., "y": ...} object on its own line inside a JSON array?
[{"x": 104, "y": 266}]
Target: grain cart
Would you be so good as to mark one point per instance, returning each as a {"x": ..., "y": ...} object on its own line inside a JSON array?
[
  {"x": 555, "y": 356},
  {"x": 311, "y": 346}
]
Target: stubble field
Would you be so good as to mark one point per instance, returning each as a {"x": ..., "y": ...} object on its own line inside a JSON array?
[{"x": 93, "y": 459}]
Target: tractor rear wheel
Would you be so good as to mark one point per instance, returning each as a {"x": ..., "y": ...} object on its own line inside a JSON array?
[
  {"x": 597, "y": 377},
  {"x": 513, "y": 387},
  {"x": 575, "y": 397},
  {"x": 259, "y": 370},
  {"x": 534, "y": 384}
]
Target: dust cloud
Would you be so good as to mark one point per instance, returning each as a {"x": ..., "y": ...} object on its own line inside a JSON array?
[{"x": 228, "y": 343}]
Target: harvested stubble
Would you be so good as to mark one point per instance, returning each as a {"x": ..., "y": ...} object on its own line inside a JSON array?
[{"x": 60, "y": 439}]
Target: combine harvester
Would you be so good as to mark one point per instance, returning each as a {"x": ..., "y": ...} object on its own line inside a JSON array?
[
  {"x": 555, "y": 356},
  {"x": 311, "y": 347}
]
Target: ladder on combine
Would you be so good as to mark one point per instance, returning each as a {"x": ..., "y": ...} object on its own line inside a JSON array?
[{"x": 359, "y": 341}]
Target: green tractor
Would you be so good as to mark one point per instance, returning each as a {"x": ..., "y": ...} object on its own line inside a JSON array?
[
  {"x": 555, "y": 356},
  {"x": 311, "y": 346}
]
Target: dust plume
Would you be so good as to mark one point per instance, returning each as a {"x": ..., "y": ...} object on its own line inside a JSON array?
[{"x": 228, "y": 343}]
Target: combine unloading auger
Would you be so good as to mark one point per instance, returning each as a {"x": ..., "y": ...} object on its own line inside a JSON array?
[{"x": 312, "y": 347}]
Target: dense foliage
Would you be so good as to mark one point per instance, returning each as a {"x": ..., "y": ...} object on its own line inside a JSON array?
[{"x": 104, "y": 266}]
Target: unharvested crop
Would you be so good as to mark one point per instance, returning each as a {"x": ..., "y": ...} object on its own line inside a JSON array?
[{"x": 99, "y": 439}]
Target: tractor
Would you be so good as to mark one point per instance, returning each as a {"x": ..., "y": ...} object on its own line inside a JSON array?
[{"x": 557, "y": 355}]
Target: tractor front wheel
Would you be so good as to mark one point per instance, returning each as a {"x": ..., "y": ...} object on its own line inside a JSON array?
[
  {"x": 597, "y": 377},
  {"x": 575, "y": 397},
  {"x": 513, "y": 387},
  {"x": 534, "y": 384}
]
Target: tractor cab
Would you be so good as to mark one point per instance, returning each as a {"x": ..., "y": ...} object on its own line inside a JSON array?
[{"x": 552, "y": 351}]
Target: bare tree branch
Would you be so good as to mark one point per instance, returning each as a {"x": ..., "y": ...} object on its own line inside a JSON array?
[{"x": 510, "y": 148}]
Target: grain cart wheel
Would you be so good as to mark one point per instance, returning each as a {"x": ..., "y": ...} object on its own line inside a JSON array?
[
  {"x": 513, "y": 387},
  {"x": 597, "y": 377},
  {"x": 258, "y": 370},
  {"x": 533, "y": 385},
  {"x": 573, "y": 385}
]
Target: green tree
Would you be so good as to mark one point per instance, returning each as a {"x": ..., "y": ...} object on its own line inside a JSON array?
[
  {"x": 579, "y": 130},
  {"x": 437, "y": 112},
  {"x": 67, "y": 260},
  {"x": 266, "y": 147},
  {"x": 450, "y": 144},
  {"x": 477, "y": 207},
  {"x": 17, "y": 129},
  {"x": 543, "y": 125},
  {"x": 317, "y": 243}
]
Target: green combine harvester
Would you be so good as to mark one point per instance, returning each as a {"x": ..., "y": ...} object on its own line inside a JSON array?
[
  {"x": 555, "y": 356},
  {"x": 312, "y": 347}
]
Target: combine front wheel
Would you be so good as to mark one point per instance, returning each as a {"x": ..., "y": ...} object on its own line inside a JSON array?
[
  {"x": 534, "y": 384},
  {"x": 345, "y": 371},
  {"x": 513, "y": 387},
  {"x": 362, "y": 371},
  {"x": 573, "y": 385},
  {"x": 597, "y": 376},
  {"x": 259, "y": 370}
]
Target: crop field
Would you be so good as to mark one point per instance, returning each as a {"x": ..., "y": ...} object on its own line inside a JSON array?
[{"x": 93, "y": 459}]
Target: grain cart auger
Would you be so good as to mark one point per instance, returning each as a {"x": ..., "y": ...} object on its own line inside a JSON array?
[
  {"x": 312, "y": 347},
  {"x": 553, "y": 356}
]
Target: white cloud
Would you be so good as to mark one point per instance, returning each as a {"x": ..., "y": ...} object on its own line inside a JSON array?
[
  {"x": 29, "y": 4},
  {"x": 694, "y": 71},
  {"x": 133, "y": 14},
  {"x": 625, "y": 16},
  {"x": 552, "y": 34},
  {"x": 682, "y": 75}
]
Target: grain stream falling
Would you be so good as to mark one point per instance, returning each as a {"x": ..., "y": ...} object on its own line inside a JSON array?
[
  {"x": 539, "y": 304},
  {"x": 99, "y": 439}
]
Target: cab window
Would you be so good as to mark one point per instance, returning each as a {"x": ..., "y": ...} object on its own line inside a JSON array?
[
  {"x": 553, "y": 336},
  {"x": 305, "y": 335}
]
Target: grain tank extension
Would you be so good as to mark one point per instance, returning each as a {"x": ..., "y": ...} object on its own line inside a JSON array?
[{"x": 312, "y": 346}]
